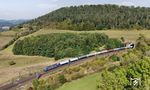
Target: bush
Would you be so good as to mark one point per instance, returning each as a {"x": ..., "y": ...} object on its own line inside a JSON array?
[
  {"x": 113, "y": 43},
  {"x": 11, "y": 63},
  {"x": 62, "y": 79},
  {"x": 115, "y": 58}
]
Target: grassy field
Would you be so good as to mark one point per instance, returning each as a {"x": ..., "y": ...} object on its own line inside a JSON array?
[
  {"x": 131, "y": 35},
  {"x": 5, "y": 40},
  {"x": 86, "y": 83},
  {"x": 24, "y": 64},
  {"x": 6, "y": 37},
  {"x": 128, "y": 35},
  {"x": 8, "y": 33}
]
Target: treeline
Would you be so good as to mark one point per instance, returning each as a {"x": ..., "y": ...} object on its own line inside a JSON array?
[
  {"x": 91, "y": 17},
  {"x": 64, "y": 45}
]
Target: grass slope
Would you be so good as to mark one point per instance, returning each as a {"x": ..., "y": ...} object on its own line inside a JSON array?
[
  {"x": 86, "y": 83},
  {"x": 131, "y": 35},
  {"x": 5, "y": 40},
  {"x": 6, "y": 37},
  {"x": 24, "y": 64}
]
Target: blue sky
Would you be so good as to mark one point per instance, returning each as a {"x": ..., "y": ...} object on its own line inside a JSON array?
[{"x": 28, "y": 9}]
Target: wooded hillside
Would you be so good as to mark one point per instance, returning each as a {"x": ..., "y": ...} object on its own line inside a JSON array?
[{"x": 91, "y": 17}]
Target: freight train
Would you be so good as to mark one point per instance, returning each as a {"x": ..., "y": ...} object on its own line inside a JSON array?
[{"x": 62, "y": 63}]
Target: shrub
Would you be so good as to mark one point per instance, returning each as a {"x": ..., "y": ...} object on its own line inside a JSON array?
[
  {"x": 113, "y": 43},
  {"x": 62, "y": 79},
  {"x": 115, "y": 58},
  {"x": 11, "y": 63}
]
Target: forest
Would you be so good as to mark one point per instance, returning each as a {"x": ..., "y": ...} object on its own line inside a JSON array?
[
  {"x": 64, "y": 45},
  {"x": 95, "y": 17}
]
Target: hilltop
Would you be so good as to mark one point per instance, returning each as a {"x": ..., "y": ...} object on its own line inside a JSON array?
[{"x": 95, "y": 17}]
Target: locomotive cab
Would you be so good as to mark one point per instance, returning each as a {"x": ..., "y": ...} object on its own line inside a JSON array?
[{"x": 45, "y": 69}]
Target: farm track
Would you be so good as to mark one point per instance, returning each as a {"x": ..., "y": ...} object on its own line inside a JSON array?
[{"x": 19, "y": 83}]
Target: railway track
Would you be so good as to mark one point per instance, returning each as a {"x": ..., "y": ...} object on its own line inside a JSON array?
[{"x": 18, "y": 83}]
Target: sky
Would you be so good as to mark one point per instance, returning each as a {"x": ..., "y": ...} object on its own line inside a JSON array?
[{"x": 30, "y": 9}]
